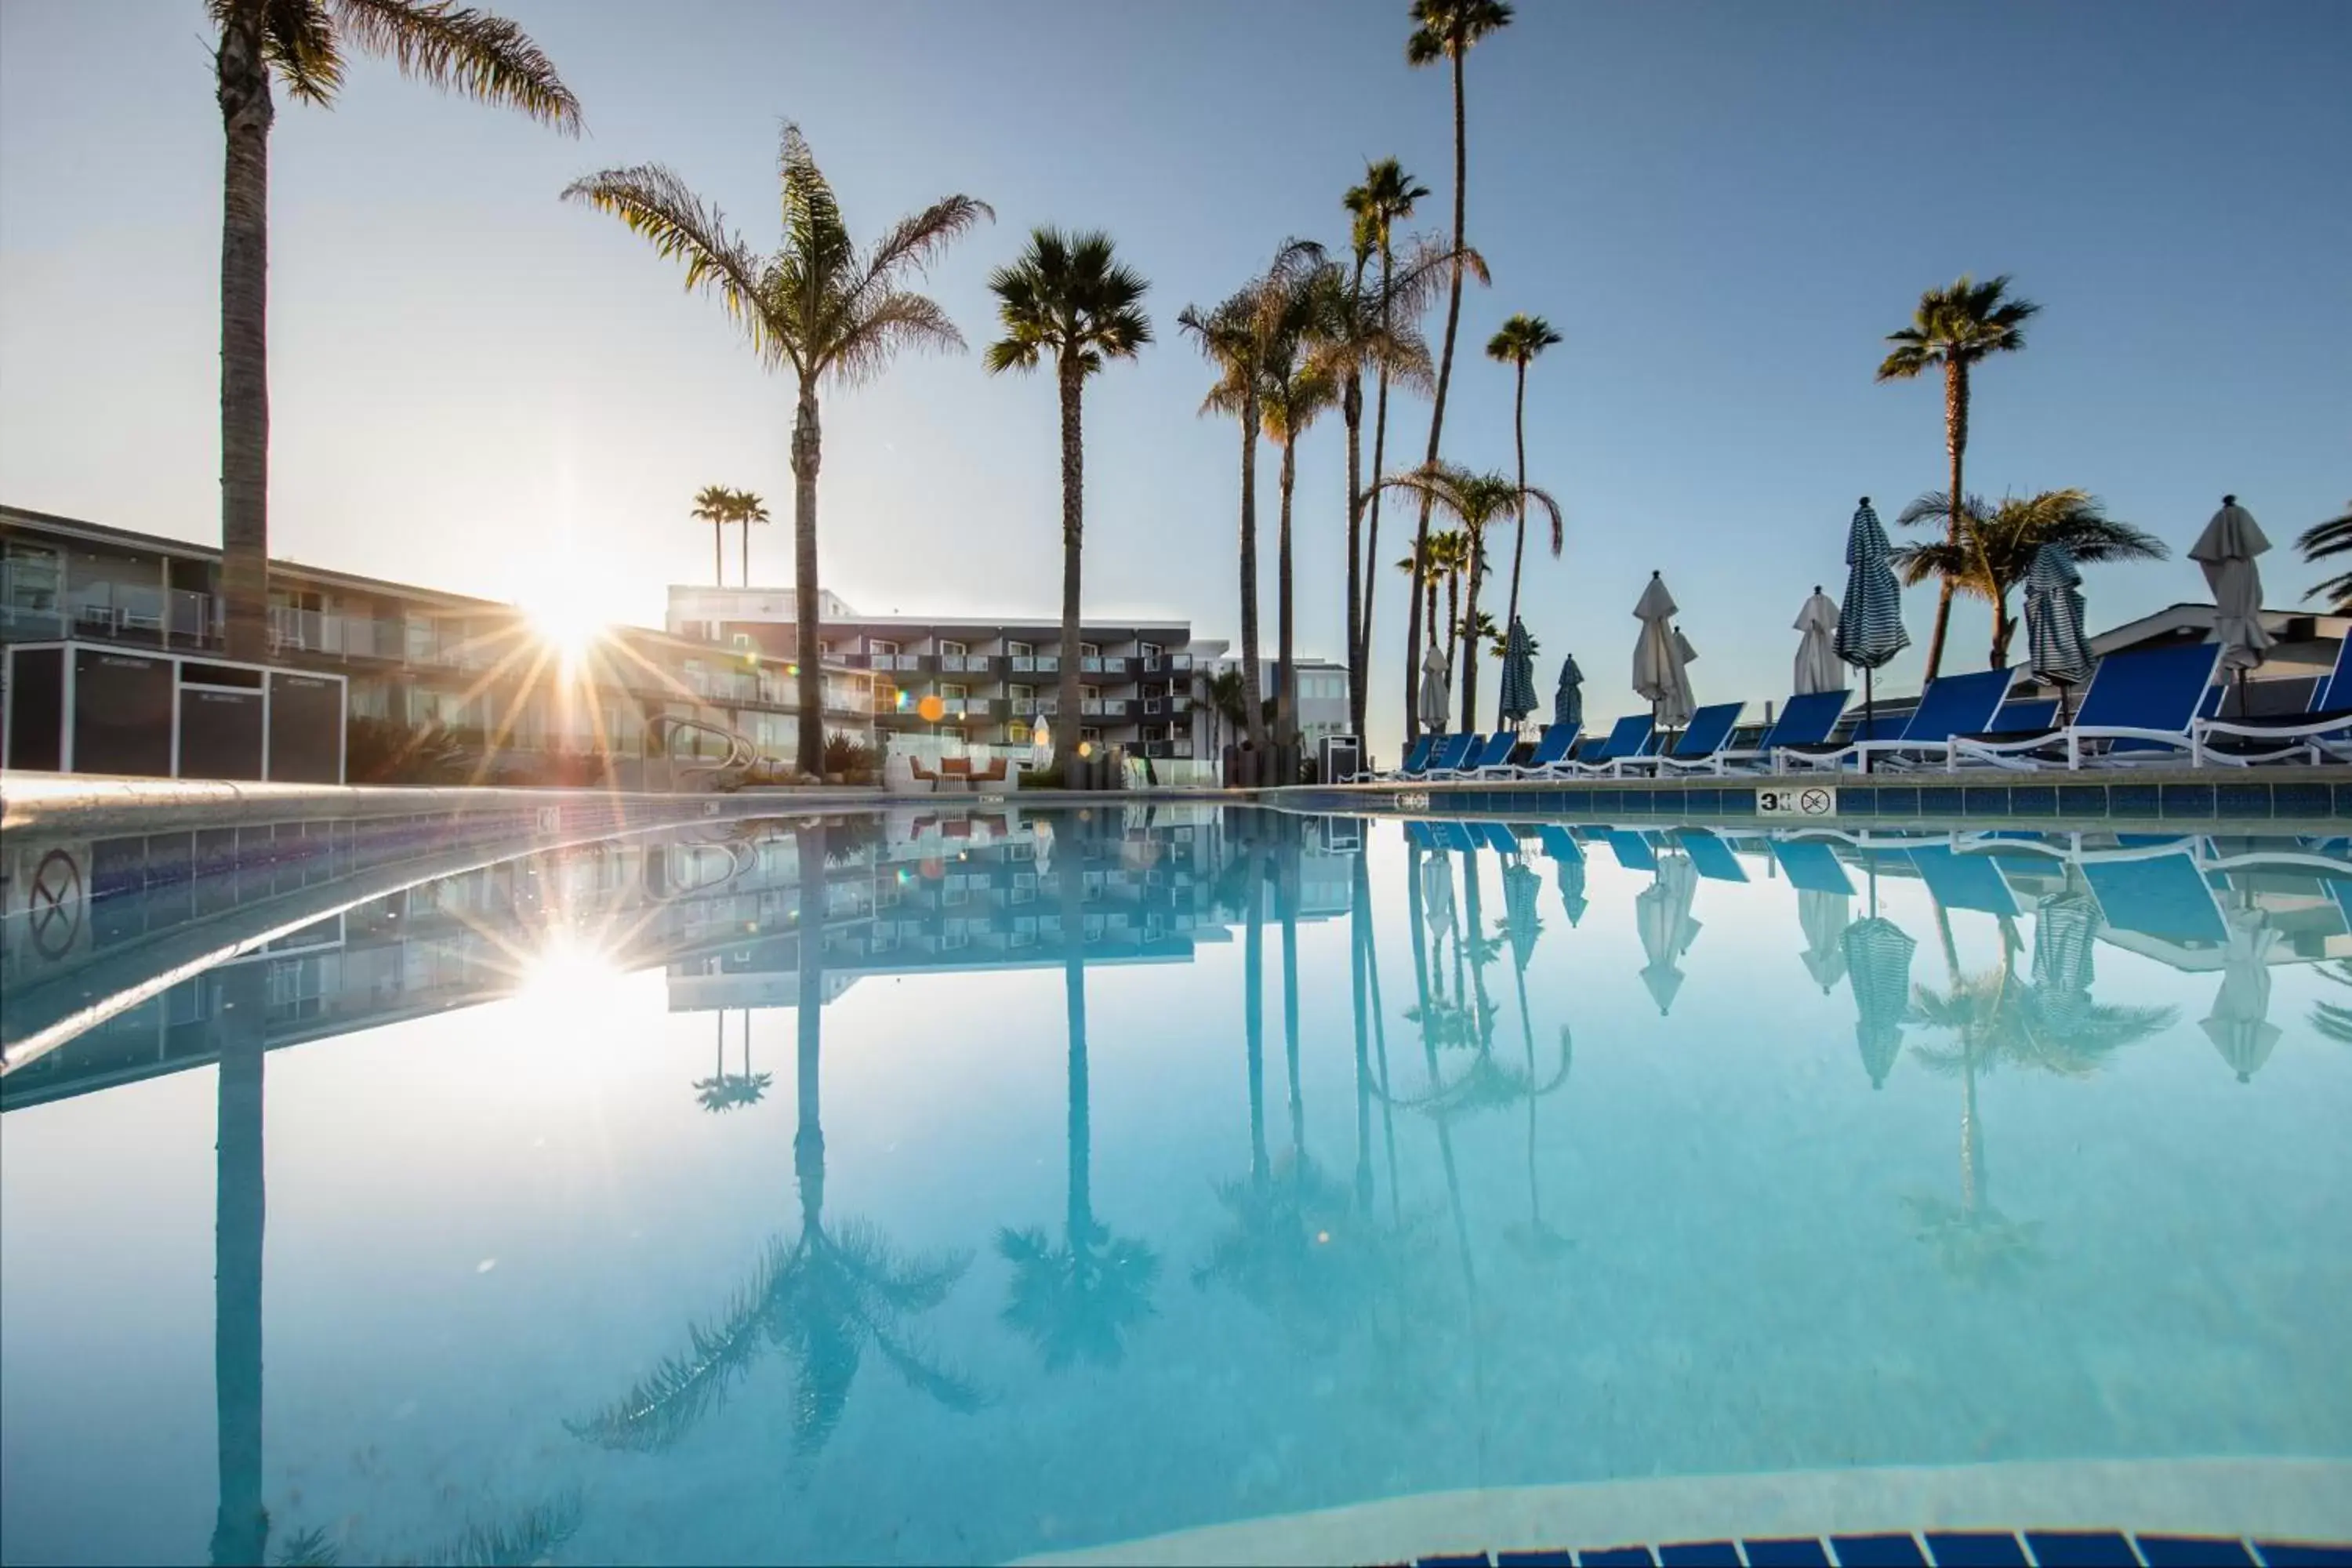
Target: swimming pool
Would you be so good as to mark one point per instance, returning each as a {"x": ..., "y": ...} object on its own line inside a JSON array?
[{"x": 800, "y": 1190}]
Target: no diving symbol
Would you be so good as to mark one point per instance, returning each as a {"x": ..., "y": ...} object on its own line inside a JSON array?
[
  {"x": 52, "y": 904},
  {"x": 1814, "y": 803}
]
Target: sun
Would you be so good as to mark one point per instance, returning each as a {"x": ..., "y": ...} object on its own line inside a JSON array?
[{"x": 566, "y": 624}]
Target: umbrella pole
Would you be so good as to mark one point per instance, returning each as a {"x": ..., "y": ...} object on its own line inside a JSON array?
[{"x": 1866, "y": 699}]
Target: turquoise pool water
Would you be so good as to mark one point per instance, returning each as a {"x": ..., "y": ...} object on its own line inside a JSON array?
[{"x": 590, "y": 1206}]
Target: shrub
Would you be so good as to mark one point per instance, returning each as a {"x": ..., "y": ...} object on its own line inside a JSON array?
[
  {"x": 379, "y": 751},
  {"x": 847, "y": 755}
]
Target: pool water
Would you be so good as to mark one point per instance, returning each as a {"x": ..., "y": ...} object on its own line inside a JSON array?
[{"x": 967, "y": 1188}]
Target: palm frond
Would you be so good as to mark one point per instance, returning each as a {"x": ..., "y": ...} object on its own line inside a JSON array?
[
  {"x": 888, "y": 324},
  {"x": 815, "y": 237},
  {"x": 2320, "y": 542},
  {"x": 914, "y": 242},
  {"x": 311, "y": 1548},
  {"x": 949, "y": 1387},
  {"x": 915, "y": 1284},
  {"x": 298, "y": 40},
  {"x": 533, "y": 1537},
  {"x": 655, "y": 203},
  {"x": 672, "y": 1399},
  {"x": 463, "y": 50}
]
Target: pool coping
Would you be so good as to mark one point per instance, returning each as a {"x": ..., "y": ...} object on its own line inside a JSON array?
[{"x": 2268, "y": 1498}]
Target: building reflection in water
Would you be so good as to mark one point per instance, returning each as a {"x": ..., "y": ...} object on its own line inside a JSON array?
[{"x": 763, "y": 915}]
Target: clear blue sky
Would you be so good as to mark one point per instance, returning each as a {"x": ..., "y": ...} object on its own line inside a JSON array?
[{"x": 1722, "y": 205}]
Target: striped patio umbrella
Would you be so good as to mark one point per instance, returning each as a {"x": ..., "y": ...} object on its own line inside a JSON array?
[
  {"x": 1870, "y": 626},
  {"x": 2226, "y": 549},
  {"x": 1572, "y": 902},
  {"x": 1568, "y": 699},
  {"x": 2066, "y": 926},
  {"x": 1519, "y": 698},
  {"x": 1878, "y": 967},
  {"x": 1520, "y": 922},
  {"x": 2057, "y": 651}
]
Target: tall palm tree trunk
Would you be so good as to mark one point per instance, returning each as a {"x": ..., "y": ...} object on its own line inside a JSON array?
[
  {"x": 1074, "y": 491},
  {"x": 718, "y": 551},
  {"x": 1080, "y": 1219},
  {"x": 1469, "y": 627},
  {"x": 1285, "y": 673},
  {"x": 1519, "y": 439},
  {"x": 747, "y": 549},
  {"x": 242, "y": 88},
  {"x": 1253, "y": 701},
  {"x": 1359, "y": 935},
  {"x": 1254, "y": 1020},
  {"x": 1363, "y": 667},
  {"x": 1955, "y": 442},
  {"x": 808, "y": 1136},
  {"x": 808, "y": 442},
  {"x": 241, "y": 1525},
  {"x": 1444, "y": 380},
  {"x": 1288, "y": 911},
  {"x": 1351, "y": 414}
]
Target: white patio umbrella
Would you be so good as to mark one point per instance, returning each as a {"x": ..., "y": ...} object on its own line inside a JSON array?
[
  {"x": 2240, "y": 1025},
  {"x": 1662, "y": 917},
  {"x": 2226, "y": 549},
  {"x": 1658, "y": 657},
  {"x": 1823, "y": 916},
  {"x": 1429, "y": 707},
  {"x": 1817, "y": 668}
]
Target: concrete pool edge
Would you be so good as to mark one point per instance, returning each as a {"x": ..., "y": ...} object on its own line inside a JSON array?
[{"x": 2280, "y": 1499}]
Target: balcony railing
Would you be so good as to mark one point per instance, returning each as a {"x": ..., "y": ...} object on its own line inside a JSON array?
[{"x": 1164, "y": 663}]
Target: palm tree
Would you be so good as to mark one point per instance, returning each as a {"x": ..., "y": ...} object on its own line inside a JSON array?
[
  {"x": 1237, "y": 337},
  {"x": 1447, "y": 30},
  {"x": 1516, "y": 344},
  {"x": 1996, "y": 546},
  {"x": 822, "y": 1299},
  {"x": 750, "y": 507},
  {"x": 1298, "y": 389},
  {"x": 1954, "y": 328},
  {"x": 240, "y": 1207},
  {"x": 1385, "y": 199},
  {"x": 715, "y": 504},
  {"x": 832, "y": 311},
  {"x": 2321, "y": 541},
  {"x": 1070, "y": 300},
  {"x": 1443, "y": 563},
  {"x": 1227, "y": 701},
  {"x": 1475, "y": 500},
  {"x": 1076, "y": 1302},
  {"x": 301, "y": 43}
]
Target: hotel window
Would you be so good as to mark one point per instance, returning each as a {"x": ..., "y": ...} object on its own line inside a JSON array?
[
  {"x": 1021, "y": 649},
  {"x": 1090, "y": 650},
  {"x": 951, "y": 650}
]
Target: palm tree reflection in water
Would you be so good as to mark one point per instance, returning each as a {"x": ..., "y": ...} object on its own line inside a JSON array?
[
  {"x": 1077, "y": 1301},
  {"x": 723, "y": 1090},
  {"x": 821, "y": 1299}
]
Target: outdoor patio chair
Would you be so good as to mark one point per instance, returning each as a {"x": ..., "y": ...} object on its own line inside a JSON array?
[
  {"x": 2164, "y": 897},
  {"x": 1485, "y": 752},
  {"x": 1416, "y": 763},
  {"x": 1953, "y": 705},
  {"x": 2149, "y": 695},
  {"x": 2024, "y": 715},
  {"x": 2322, "y": 731},
  {"x": 1632, "y": 850},
  {"x": 1451, "y": 752},
  {"x": 1806, "y": 721},
  {"x": 1812, "y": 866},
  {"x": 1710, "y": 857},
  {"x": 1497, "y": 836},
  {"x": 1551, "y": 753},
  {"x": 1706, "y": 734},
  {"x": 1625, "y": 739}
]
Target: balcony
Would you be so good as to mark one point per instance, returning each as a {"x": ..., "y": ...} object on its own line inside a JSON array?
[
  {"x": 970, "y": 664},
  {"x": 1169, "y": 664},
  {"x": 1103, "y": 706},
  {"x": 1035, "y": 663},
  {"x": 1108, "y": 665}
]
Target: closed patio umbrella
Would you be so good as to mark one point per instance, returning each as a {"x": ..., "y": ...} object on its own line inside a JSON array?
[
  {"x": 1567, "y": 698},
  {"x": 1817, "y": 655},
  {"x": 1823, "y": 917},
  {"x": 1878, "y": 967},
  {"x": 1870, "y": 627},
  {"x": 1572, "y": 902},
  {"x": 1677, "y": 709},
  {"x": 1661, "y": 917},
  {"x": 1657, "y": 663},
  {"x": 1519, "y": 695},
  {"x": 2240, "y": 1026},
  {"x": 2226, "y": 549},
  {"x": 2058, "y": 651},
  {"x": 1520, "y": 922},
  {"x": 1431, "y": 706}
]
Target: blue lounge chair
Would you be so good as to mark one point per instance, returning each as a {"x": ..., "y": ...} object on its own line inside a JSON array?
[
  {"x": 1710, "y": 857},
  {"x": 1625, "y": 739},
  {"x": 1560, "y": 844},
  {"x": 1416, "y": 763},
  {"x": 2164, "y": 897},
  {"x": 2025, "y": 716},
  {"x": 1497, "y": 836},
  {"x": 1953, "y": 705},
  {"x": 1551, "y": 753},
  {"x": 1959, "y": 881},
  {"x": 1812, "y": 866},
  {"x": 1707, "y": 732},
  {"x": 1493, "y": 750},
  {"x": 1452, "y": 752},
  {"x": 1632, "y": 850},
  {"x": 2324, "y": 729},
  {"x": 1807, "y": 721},
  {"x": 1454, "y": 833},
  {"x": 2150, "y": 694}
]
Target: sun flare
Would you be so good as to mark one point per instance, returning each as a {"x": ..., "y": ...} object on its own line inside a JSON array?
[{"x": 566, "y": 623}]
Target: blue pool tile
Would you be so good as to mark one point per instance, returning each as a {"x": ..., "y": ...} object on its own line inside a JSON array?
[
  {"x": 2033, "y": 800},
  {"x": 1607, "y": 800},
  {"x": 1983, "y": 800},
  {"x": 2132, "y": 800},
  {"x": 1878, "y": 1552},
  {"x": 1738, "y": 803},
  {"x": 2081, "y": 1549},
  {"x": 1707, "y": 800},
  {"x": 2083, "y": 800},
  {"x": 2194, "y": 1551},
  {"x": 1557, "y": 1557},
  {"x": 2243, "y": 799},
  {"x": 1854, "y": 802},
  {"x": 1786, "y": 1554},
  {"x": 1458, "y": 1560},
  {"x": 1636, "y": 799},
  {"x": 1898, "y": 803},
  {"x": 2188, "y": 800},
  {"x": 2306, "y": 1553},
  {"x": 1616, "y": 1557},
  {"x": 1944, "y": 800},
  {"x": 1975, "y": 1549},
  {"x": 1699, "y": 1554},
  {"x": 2344, "y": 800},
  {"x": 2299, "y": 800}
]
